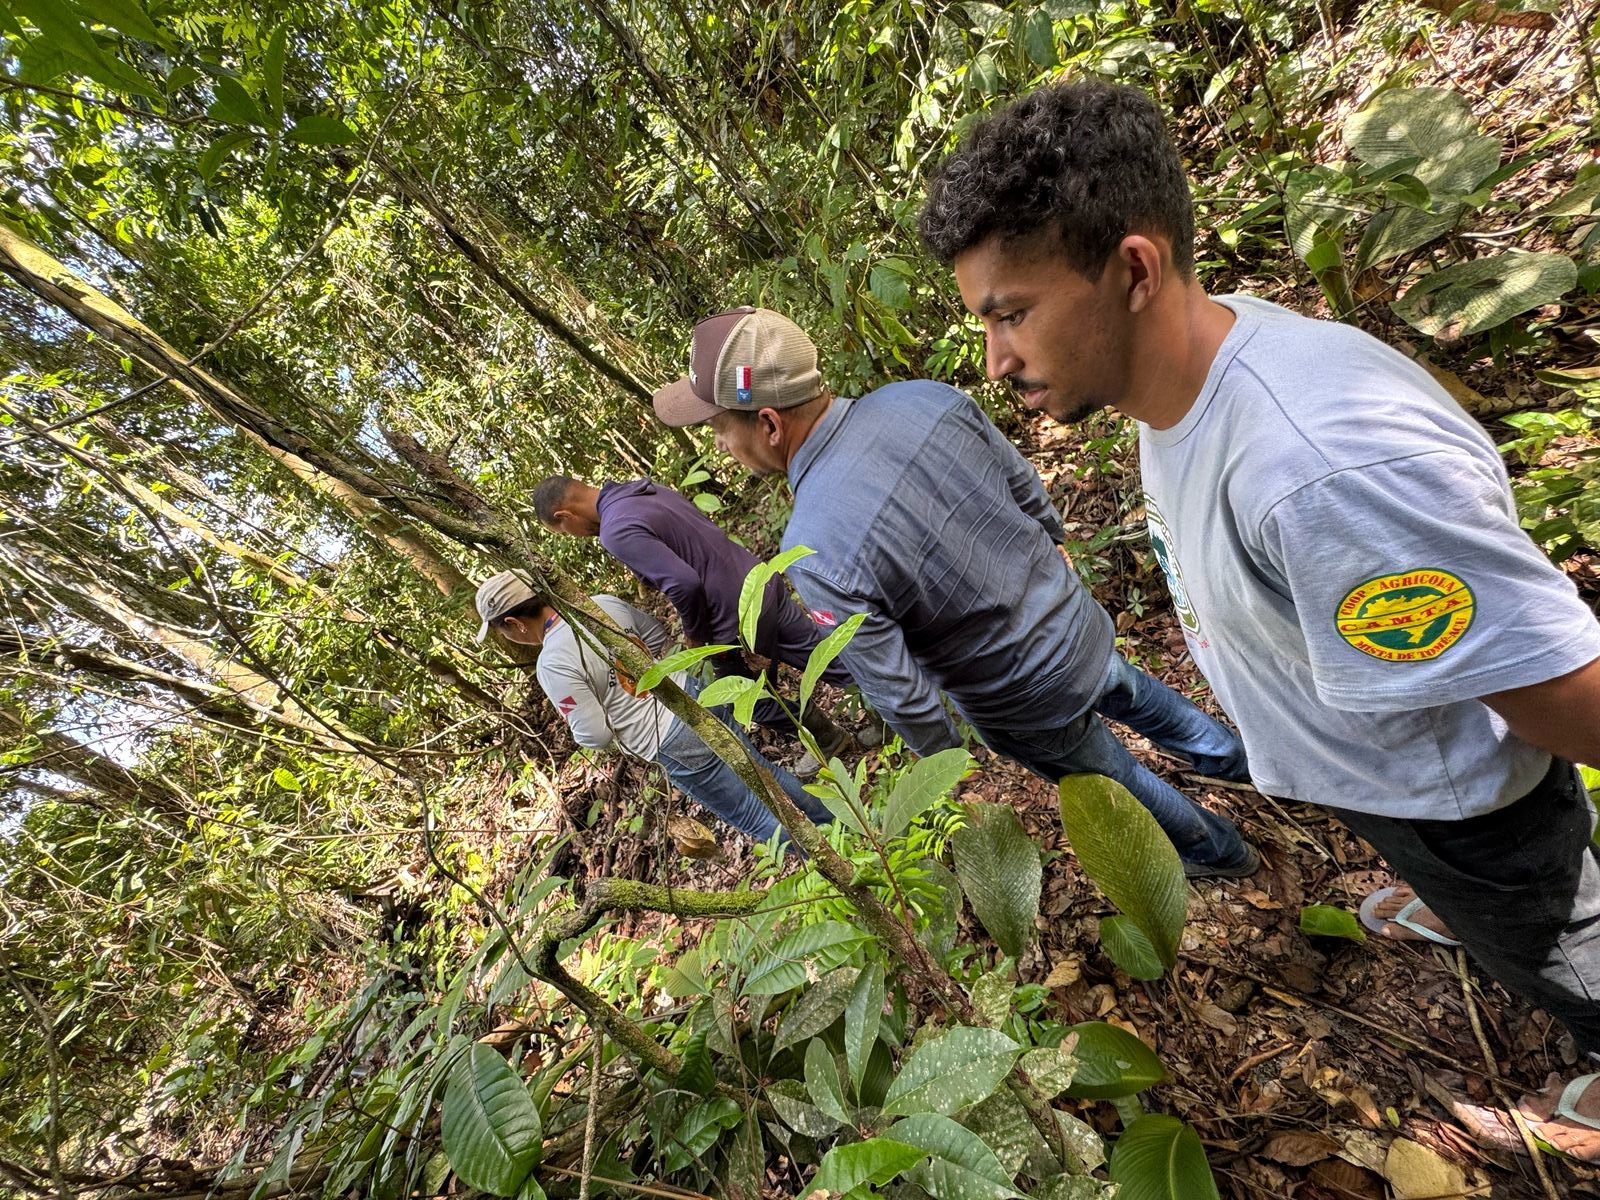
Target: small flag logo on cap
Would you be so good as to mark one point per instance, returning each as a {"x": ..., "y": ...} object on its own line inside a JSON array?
[{"x": 741, "y": 383}]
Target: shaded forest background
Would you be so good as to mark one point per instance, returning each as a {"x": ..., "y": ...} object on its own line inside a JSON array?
[{"x": 297, "y": 304}]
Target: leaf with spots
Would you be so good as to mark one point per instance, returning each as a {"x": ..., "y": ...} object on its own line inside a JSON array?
[
  {"x": 960, "y": 1166},
  {"x": 950, "y": 1072},
  {"x": 818, "y": 1007}
]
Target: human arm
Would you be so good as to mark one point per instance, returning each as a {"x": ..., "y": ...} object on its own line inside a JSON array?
[
  {"x": 653, "y": 561},
  {"x": 880, "y": 662},
  {"x": 1561, "y": 715},
  {"x": 1414, "y": 586}
]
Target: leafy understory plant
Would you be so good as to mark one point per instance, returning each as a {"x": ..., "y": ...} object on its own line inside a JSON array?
[
  {"x": 1418, "y": 167},
  {"x": 795, "y": 1030}
]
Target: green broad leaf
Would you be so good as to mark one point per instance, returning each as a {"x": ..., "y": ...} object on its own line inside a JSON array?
[
  {"x": 1112, "y": 1063},
  {"x": 699, "y": 1129},
  {"x": 696, "y": 1074},
  {"x": 1433, "y": 129},
  {"x": 999, "y": 869},
  {"x": 744, "y": 705},
  {"x": 1315, "y": 208},
  {"x": 272, "y": 69},
  {"x": 959, "y": 1167},
  {"x": 219, "y": 149},
  {"x": 530, "y": 1190},
  {"x": 63, "y": 34},
  {"x": 874, "y": 1162},
  {"x": 1130, "y": 949},
  {"x": 1581, "y": 199},
  {"x": 863, "y": 1014},
  {"x": 681, "y": 661},
  {"x": 1081, "y": 1141},
  {"x": 991, "y": 998},
  {"x": 1005, "y": 1128},
  {"x": 840, "y": 792},
  {"x": 1039, "y": 39},
  {"x": 1324, "y": 920},
  {"x": 984, "y": 75},
  {"x": 927, "y": 782},
  {"x": 319, "y": 130},
  {"x": 1074, "y": 1187},
  {"x": 1470, "y": 297},
  {"x": 489, "y": 1126},
  {"x": 822, "y": 1081},
  {"x": 890, "y": 281},
  {"x": 954, "y": 1070},
  {"x": 1128, "y": 855},
  {"x": 708, "y": 503},
  {"x": 794, "y": 1108},
  {"x": 1051, "y": 1068},
  {"x": 686, "y": 976},
  {"x": 819, "y": 1006},
  {"x": 1399, "y": 231},
  {"x": 822, "y": 656},
  {"x": 826, "y": 945},
  {"x": 1161, "y": 1158},
  {"x": 744, "y": 1171},
  {"x": 728, "y": 690},
  {"x": 127, "y": 17},
  {"x": 753, "y": 591},
  {"x": 286, "y": 779},
  {"x": 234, "y": 104},
  {"x": 693, "y": 478}
]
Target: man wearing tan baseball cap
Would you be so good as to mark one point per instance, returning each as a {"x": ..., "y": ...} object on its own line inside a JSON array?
[{"x": 923, "y": 516}]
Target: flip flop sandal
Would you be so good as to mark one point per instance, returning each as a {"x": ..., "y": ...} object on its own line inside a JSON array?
[
  {"x": 1372, "y": 921},
  {"x": 1567, "y": 1106}
]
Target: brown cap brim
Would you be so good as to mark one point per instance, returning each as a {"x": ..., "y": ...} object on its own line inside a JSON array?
[{"x": 678, "y": 406}]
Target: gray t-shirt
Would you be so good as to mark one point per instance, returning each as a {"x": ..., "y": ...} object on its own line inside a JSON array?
[
  {"x": 1342, "y": 548},
  {"x": 581, "y": 681}
]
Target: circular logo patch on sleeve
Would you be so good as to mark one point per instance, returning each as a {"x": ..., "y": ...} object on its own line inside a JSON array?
[{"x": 1409, "y": 616}]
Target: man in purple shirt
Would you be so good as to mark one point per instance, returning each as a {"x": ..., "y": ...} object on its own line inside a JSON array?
[{"x": 673, "y": 547}]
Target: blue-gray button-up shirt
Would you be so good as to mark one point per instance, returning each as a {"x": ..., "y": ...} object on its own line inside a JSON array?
[{"x": 925, "y": 517}]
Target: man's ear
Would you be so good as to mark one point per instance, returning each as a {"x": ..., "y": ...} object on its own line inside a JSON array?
[
  {"x": 1143, "y": 261},
  {"x": 770, "y": 423}
]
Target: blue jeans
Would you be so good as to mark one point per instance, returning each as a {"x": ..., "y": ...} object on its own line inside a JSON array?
[
  {"x": 694, "y": 769},
  {"x": 1149, "y": 707}
]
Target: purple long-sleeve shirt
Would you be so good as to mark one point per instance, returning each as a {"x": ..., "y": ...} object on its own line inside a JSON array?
[{"x": 671, "y": 545}]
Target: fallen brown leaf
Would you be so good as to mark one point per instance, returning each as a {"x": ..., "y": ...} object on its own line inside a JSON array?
[{"x": 1297, "y": 1148}]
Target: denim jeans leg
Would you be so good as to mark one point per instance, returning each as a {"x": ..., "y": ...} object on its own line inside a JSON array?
[
  {"x": 694, "y": 769},
  {"x": 1172, "y": 721},
  {"x": 1086, "y": 746},
  {"x": 1519, "y": 886}
]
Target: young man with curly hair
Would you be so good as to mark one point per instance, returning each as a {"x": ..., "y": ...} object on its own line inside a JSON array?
[{"x": 1339, "y": 538}]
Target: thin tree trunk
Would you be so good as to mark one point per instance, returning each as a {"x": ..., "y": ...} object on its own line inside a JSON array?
[{"x": 356, "y": 490}]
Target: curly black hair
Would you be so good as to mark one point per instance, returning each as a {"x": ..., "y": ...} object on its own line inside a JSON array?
[{"x": 1092, "y": 159}]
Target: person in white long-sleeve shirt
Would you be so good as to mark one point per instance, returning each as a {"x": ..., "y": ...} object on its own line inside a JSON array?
[{"x": 602, "y": 707}]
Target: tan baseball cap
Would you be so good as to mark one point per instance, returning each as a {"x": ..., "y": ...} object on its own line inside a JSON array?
[
  {"x": 498, "y": 595},
  {"x": 745, "y": 359}
]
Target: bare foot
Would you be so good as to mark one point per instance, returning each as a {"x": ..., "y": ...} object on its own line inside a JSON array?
[
  {"x": 1565, "y": 1134},
  {"x": 1380, "y": 912}
]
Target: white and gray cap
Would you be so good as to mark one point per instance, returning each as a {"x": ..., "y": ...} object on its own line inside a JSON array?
[
  {"x": 499, "y": 594},
  {"x": 745, "y": 359}
]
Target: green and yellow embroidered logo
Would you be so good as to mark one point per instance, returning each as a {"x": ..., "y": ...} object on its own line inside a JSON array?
[{"x": 1410, "y": 616}]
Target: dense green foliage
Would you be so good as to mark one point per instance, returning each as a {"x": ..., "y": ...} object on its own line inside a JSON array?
[{"x": 299, "y": 301}]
